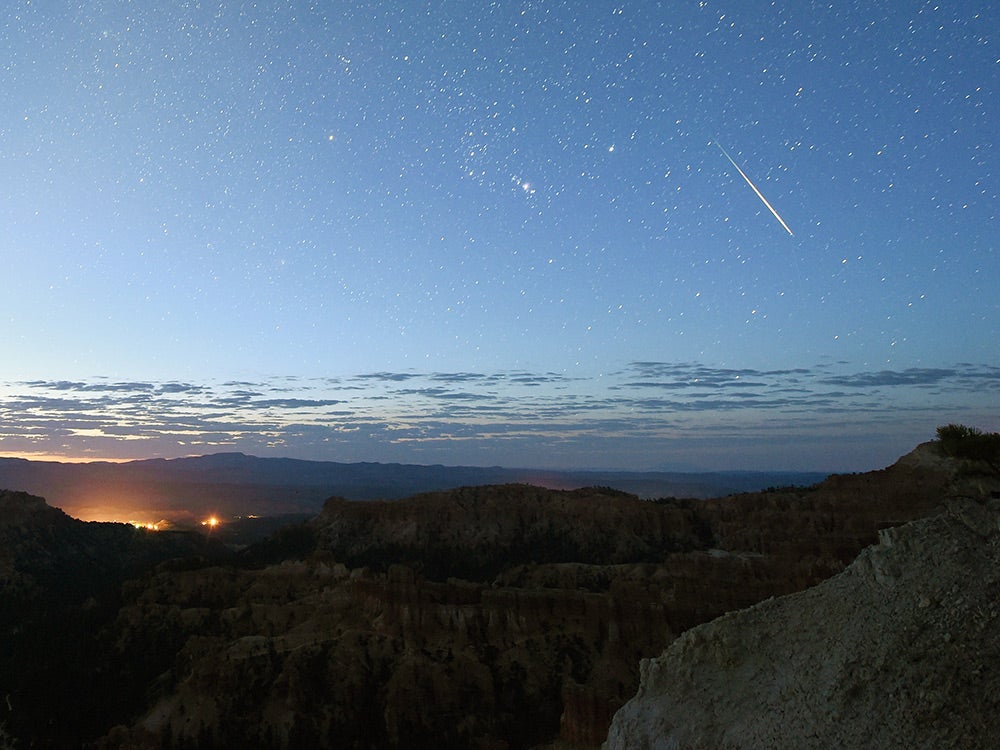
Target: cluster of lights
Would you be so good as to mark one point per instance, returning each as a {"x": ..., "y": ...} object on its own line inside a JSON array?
[{"x": 211, "y": 522}]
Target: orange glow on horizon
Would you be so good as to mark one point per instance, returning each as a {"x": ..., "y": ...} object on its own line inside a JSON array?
[
  {"x": 130, "y": 513},
  {"x": 211, "y": 522},
  {"x": 32, "y": 456}
]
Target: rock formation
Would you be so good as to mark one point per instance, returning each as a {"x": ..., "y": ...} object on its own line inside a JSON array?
[{"x": 898, "y": 651}]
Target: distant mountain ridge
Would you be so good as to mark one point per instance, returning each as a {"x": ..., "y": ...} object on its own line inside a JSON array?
[{"x": 240, "y": 484}]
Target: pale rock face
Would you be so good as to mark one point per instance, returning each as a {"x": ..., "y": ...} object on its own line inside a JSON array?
[{"x": 898, "y": 651}]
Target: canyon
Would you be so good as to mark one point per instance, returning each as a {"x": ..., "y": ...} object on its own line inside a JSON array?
[{"x": 496, "y": 616}]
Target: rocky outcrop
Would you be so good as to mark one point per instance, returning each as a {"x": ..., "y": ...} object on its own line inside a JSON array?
[{"x": 897, "y": 651}]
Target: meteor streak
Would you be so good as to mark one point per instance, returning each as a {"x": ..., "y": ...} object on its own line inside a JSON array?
[{"x": 759, "y": 194}]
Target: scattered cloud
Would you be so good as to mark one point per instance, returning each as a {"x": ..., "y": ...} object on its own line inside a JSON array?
[
  {"x": 442, "y": 393},
  {"x": 294, "y": 403},
  {"x": 458, "y": 377},
  {"x": 628, "y": 417},
  {"x": 885, "y": 378},
  {"x": 388, "y": 377}
]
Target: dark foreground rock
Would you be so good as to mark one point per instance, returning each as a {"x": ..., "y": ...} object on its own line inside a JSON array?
[{"x": 60, "y": 588}]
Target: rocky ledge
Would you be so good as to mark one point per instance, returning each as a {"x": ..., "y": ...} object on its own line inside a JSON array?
[{"x": 898, "y": 651}]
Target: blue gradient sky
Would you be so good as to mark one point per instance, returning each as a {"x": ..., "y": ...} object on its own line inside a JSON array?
[{"x": 498, "y": 233}]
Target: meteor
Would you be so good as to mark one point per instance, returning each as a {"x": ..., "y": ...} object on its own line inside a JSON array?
[{"x": 759, "y": 194}]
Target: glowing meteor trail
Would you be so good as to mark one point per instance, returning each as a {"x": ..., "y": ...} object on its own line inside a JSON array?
[{"x": 759, "y": 194}]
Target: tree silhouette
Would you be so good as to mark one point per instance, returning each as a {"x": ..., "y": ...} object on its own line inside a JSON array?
[{"x": 971, "y": 444}]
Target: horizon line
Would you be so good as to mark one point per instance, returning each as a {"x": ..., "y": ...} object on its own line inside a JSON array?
[{"x": 41, "y": 457}]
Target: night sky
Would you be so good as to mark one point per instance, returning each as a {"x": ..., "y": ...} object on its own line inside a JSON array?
[{"x": 506, "y": 233}]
